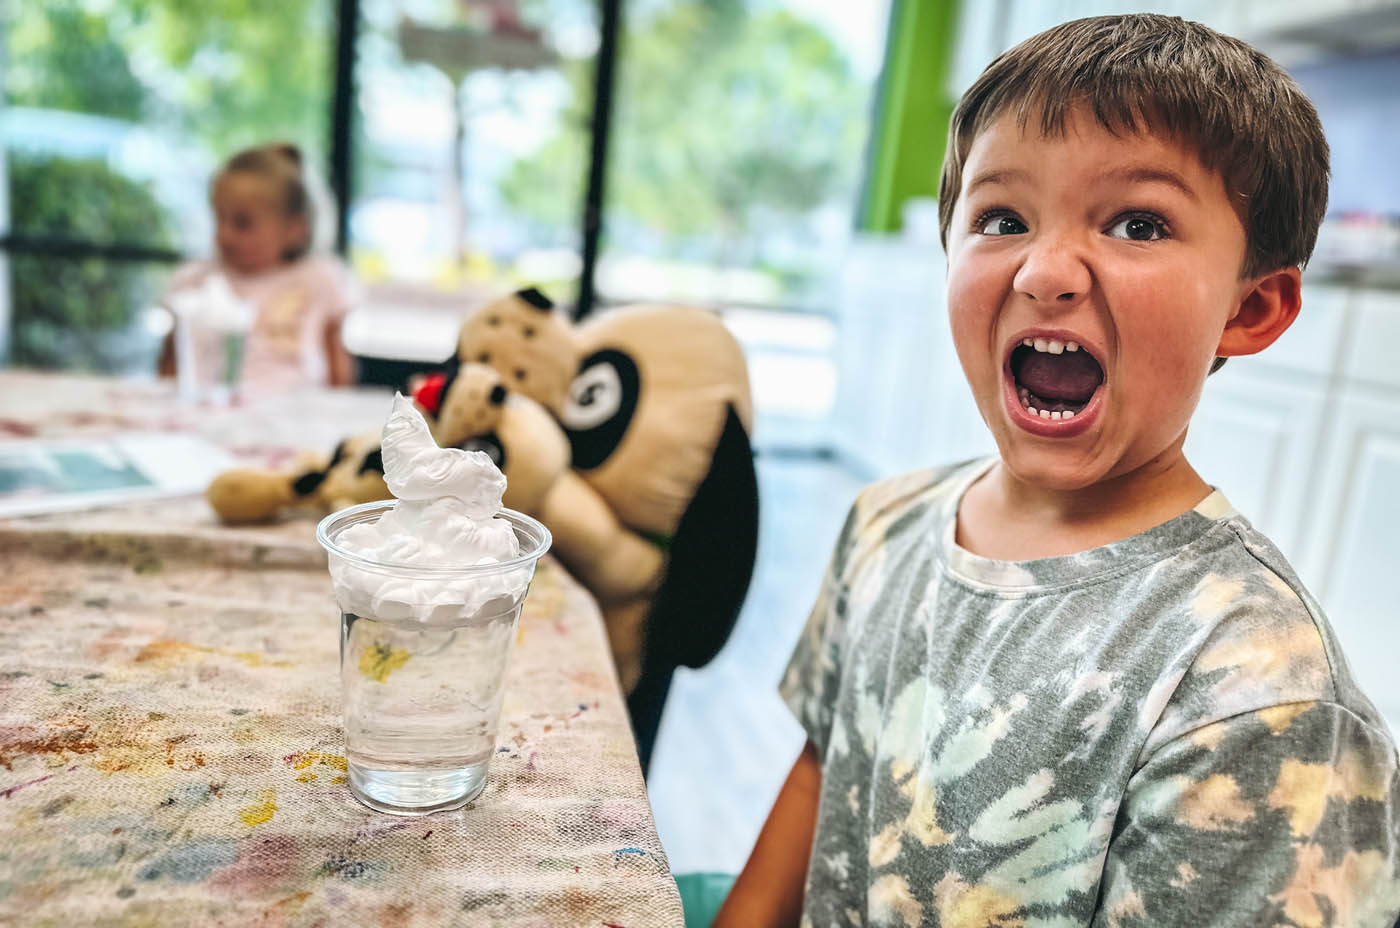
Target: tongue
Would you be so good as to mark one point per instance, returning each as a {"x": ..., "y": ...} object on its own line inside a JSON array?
[{"x": 1072, "y": 376}]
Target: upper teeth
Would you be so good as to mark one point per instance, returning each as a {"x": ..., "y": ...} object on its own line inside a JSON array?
[{"x": 1051, "y": 345}]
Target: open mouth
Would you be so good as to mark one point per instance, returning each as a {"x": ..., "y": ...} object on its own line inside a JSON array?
[{"x": 1054, "y": 379}]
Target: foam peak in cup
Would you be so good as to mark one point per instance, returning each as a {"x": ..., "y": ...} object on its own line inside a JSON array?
[
  {"x": 415, "y": 468},
  {"x": 445, "y": 518}
]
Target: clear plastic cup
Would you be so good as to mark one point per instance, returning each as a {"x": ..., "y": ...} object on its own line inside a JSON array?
[{"x": 423, "y": 655}]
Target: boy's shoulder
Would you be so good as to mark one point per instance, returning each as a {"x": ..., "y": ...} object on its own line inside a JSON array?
[{"x": 1265, "y": 645}]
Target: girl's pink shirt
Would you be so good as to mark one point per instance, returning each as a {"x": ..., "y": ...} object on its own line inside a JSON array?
[{"x": 285, "y": 348}]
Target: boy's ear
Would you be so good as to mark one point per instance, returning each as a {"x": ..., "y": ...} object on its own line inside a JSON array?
[{"x": 1265, "y": 312}]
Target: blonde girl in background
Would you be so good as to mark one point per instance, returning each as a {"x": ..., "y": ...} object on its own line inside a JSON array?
[{"x": 296, "y": 301}]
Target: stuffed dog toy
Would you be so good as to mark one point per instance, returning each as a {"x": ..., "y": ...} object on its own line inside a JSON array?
[
  {"x": 472, "y": 409},
  {"x": 655, "y": 403},
  {"x": 354, "y": 473}
]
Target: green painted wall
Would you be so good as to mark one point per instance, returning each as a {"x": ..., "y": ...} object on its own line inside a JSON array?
[{"x": 911, "y": 116}]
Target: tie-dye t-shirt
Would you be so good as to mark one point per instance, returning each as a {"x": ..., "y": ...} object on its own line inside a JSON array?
[{"x": 1160, "y": 731}]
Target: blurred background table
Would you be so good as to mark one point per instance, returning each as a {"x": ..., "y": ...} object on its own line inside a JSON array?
[{"x": 170, "y": 739}]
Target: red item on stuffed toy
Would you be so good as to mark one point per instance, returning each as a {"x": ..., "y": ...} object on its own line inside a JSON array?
[{"x": 429, "y": 392}]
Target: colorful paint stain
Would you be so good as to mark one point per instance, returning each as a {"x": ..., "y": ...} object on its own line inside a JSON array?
[
  {"x": 380, "y": 660},
  {"x": 303, "y": 759},
  {"x": 260, "y": 811},
  {"x": 265, "y": 865},
  {"x": 193, "y": 761},
  {"x": 170, "y": 651},
  {"x": 557, "y": 863},
  {"x": 346, "y": 868},
  {"x": 7, "y": 793},
  {"x": 289, "y": 904},
  {"x": 25, "y": 739},
  {"x": 192, "y": 862}
]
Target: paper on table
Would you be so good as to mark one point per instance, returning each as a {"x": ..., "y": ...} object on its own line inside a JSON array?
[{"x": 53, "y": 475}]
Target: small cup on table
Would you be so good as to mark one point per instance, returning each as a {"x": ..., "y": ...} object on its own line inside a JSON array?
[{"x": 423, "y": 656}]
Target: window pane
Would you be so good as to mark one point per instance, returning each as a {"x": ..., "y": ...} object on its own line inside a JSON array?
[
  {"x": 740, "y": 131},
  {"x": 163, "y": 90},
  {"x": 472, "y": 152},
  {"x": 115, "y": 114},
  {"x": 738, "y": 149}
]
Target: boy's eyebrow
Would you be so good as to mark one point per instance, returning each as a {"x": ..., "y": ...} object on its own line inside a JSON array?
[
  {"x": 1142, "y": 174},
  {"x": 998, "y": 176},
  {"x": 1132, "y": 174}
]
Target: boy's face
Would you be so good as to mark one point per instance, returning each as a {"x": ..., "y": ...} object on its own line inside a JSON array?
[{"x": 1126, "y": 246}]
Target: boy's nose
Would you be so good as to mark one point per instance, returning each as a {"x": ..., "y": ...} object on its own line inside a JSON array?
[{"x": 1053, "y": 273}]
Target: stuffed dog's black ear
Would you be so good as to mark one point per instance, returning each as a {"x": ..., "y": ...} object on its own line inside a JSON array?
[
  {"x": 373, "y": 461},
  {"x": 535, "y": 298},
  {"x": 490, "y": 443},
  {"x": 307, "y": 483},
  {"x": 335, "y": 458}
]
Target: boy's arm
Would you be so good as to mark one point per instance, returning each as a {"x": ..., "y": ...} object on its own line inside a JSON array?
[
  {"x": 769, "y": 891},
  {"x": 1285, "y": 815}
]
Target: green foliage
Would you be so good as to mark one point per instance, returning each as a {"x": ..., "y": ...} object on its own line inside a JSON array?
[
  {"x": 547, "y": 187},
  {"x": 725, "y": 118},
  {"x": 71, "y": 313},
  {"x": 239, "y": 72},
  {"x": 62, "y": 56},
  {"x": 229, "y": 73}
]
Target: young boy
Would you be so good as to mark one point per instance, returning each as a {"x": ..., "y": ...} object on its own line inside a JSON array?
[{"x": 1071, "y": 685}]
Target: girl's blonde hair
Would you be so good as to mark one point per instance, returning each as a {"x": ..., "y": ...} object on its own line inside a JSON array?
[{"x": 280, "y": 164}]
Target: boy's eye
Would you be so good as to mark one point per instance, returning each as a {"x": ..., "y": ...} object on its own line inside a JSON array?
[
  {"x": 1000, "y": 224},
  {"x": 1138, "y": 229}
]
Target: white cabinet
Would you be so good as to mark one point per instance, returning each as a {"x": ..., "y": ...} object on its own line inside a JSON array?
[
  {"x": 1262, "y": 426},
  {"x": 1372, "y": 356},
  {"x": 1254, "y": 436},
  {"x": 1355, "y": 539},
  {"x": 1352, "y": 526}
]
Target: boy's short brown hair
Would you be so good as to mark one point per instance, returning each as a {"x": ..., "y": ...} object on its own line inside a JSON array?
[{"x": 1242, "y": 113}]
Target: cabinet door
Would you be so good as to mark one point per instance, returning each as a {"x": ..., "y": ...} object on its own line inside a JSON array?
[
  {"x": 1355, "y": 540},
  {"x": 1372, "y": 356},
  {"x": 1255, "y": 436}
]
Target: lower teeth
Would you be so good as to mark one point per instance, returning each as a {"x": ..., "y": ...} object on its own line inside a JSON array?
[{"x": 1026, "y": 401}]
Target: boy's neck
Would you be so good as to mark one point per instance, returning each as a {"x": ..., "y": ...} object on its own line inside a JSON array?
[{"x": 1008, "y": 519}]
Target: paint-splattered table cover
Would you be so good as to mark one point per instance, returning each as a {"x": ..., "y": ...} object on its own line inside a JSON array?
[{"x": 170, "y": 741}]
